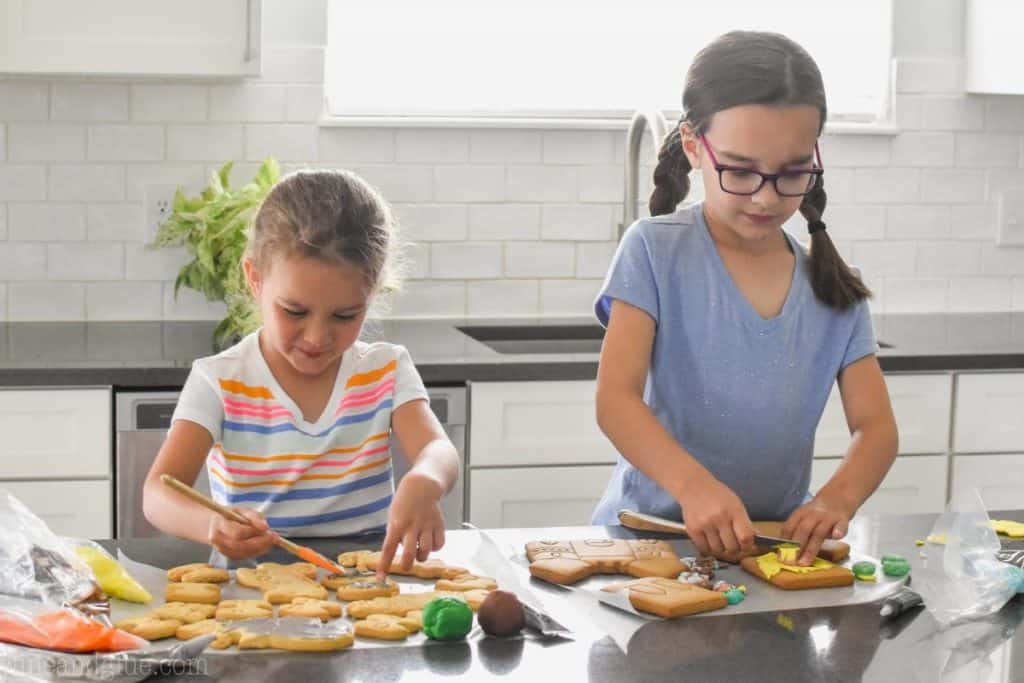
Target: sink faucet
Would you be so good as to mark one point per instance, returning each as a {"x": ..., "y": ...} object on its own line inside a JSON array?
[{"x": 651, "y": 120}]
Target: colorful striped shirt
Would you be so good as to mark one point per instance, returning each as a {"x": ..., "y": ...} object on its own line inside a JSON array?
[{"x": 331, "y": 477}]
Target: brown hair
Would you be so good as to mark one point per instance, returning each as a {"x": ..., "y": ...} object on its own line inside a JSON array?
[
  {"x": 331, "y": 215},
  {"x": 749, "y": 67}
]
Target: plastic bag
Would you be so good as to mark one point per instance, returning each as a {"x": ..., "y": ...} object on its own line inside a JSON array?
[
  {"x": 963, "y": 579},
  {"x": 112, "y": 577},
  {"x": 36, "y": 624}
]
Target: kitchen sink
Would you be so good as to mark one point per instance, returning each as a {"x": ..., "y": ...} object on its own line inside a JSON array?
[
  {"x": 546, "y": 338},
  {"x": 537, "y": 338}
]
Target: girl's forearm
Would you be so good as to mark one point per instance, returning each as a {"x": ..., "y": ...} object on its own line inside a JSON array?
[
  {"x": 868, "y": 459},
  {"x": 438, "y": 461},
  {"x": 174, "y": 514},
  {"x": 638, "y": 435}
]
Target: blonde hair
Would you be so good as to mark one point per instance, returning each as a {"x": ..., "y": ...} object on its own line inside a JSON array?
[{"x": 332, "y": 215}]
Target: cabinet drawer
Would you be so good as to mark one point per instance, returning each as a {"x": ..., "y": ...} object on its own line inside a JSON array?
[
  {"x": 999, "y": 479},
  {"x": 536, "y": 496},
  {"x": 920, "y": 403},
  {"x": 55, "y": 433},
  {"x": 70, "y": 508},
  {"x": 914, "y": 484},
  {"x": 989, "y": 413},
  {"x": 536, "y": 423}
]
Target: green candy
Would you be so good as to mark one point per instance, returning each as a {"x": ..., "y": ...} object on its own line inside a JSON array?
[
  {"x": 896, "y": 568},
  {"x": 447, "y": 619},
  {"x": 864, "y": 568},
  {"x": 734, "y": 596},
  {"x": 893, "y": 558}
]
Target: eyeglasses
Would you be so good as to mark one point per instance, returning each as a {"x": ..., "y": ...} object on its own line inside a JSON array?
[{"x": 747, "y": 181}]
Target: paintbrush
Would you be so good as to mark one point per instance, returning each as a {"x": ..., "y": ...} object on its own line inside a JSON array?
[{"x": 307, "y": 554}]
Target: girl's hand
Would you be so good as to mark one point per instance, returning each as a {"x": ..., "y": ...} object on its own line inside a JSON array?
[
  {"x": 814, "y": 522},
  {"x": 239, "y": 541},
  {"x": 716, "y": 519},
  {"x": 415, "y": 521}
]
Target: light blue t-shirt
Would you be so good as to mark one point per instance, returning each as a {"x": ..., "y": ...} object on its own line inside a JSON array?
[{"x": 742, "y": 394}]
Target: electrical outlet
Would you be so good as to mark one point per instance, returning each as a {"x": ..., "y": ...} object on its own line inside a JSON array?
[
  {"x": 159, "y": 203},
  {"x": 1011, "y": 218}
]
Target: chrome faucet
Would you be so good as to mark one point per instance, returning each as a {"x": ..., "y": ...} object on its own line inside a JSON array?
[{"x": 651, "y": 120}]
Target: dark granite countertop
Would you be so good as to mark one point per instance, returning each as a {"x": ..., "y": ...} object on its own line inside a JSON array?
[
  {"x": 849, "y": 643},
  {"x": 153, "y": 355}
]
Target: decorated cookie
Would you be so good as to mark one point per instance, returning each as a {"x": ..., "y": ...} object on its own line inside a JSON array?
[
  {"x": 668, "y": 598},
  {"x": 820, "y": 574},
  {"x": 566, "y": 562},
  {"x": 447, "y": 619},
  {"x": 310, "y": 608},
  {"x": 399, "y": 605},
  {"x": 431, "y": 569},
  {"x": 367, "y": 589}
]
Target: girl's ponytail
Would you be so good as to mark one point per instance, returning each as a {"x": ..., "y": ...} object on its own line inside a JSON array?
[
  {"x": 833, "y": 282},
  {"x": 671, "y": 175}
]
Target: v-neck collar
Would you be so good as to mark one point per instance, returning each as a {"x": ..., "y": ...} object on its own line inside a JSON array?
[
  {"x": 326, "y": 417},
  {"x": 750, "y": 315}
]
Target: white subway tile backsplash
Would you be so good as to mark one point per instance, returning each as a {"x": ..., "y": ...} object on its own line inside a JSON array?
[
  {"x": 973, "y": 221},
  {"x": 469, "y": 183},
  {"x": 466, "y": 260},
  {"x": 3, "y": 142},
  {"x": 426, "y": 299},
  {"x": 293, "y": 64},
  {"x": 491, "y": 146},
  {"x": 114, "y": 222},
  {"x": 840, "y": 184},
  {"x": 568, "y": 297},
  {"x": 855, "y": 150},
  {"x": 603, "y": 184},
  {"x": 504, "y": 298},
  {"x": 908, "y": 111},
  {"x": 929, "y": 76},
  {"x": 289, "y": 23},
  {"x": 986, "y": 150},
  {"x": 123, "y": 301},
  {"x": 944, "y": 186},
  {"x": 47, "y": 222},
  {"x": 594, "y": 258},
  {"x": 191, "y": 177},
  {"x": 84, "y": 261},
  {"x": 540, "y": 184},
  {"x": 3, "y": 306},
  {"x": 948, "y": 258},
  {"x": 916, "y": 295},
  {"x": 3, "y": 222},
  {"x": 504, "y": 222},
  {"x": 851, "y": 222},
  {"x": 884, "y": 259},
  {"x": 213, "y": 142},
  {"x": 189, "y": 304},
  {"x": 1018, "y": 293},
  {"x": 21, "y": 101},
  {"x": 399, "y": 183},
  {"x": 953, "y": 112},
  {"x": 169, "y": 103},
  {"x": 22, "y": 182},
  {"x": 45, "y": 301},
  {"x": 1004, "y": 113},
  {"x": 341, "y": 145},
  {"x": 304, "y": 103},
  {"x": 977, "y": 294},
  {"x": 143, "y": 262},
  {"x": 23, "y": 260},
  {"x": 87, "y": 182},
  {"x": 416, "y": 261},
  {"x": 580, "y": 146},
  {"x": 540, "y": 259},
  {"x": 923, "y": 149},
  {"x": 885, "y": 185},
  {"x": 247, "y": 102},
  {"x": 577, "y": 222},
  {"x": 47, "y": 142},
  {"x": 284, "y": 141},
  {"x": 432, "y": 222},
  {"x": 431, "y": 145},
  {"x": 997, "y": 260},
  {"x": 89, "y": 102},
  {"x": 917, "y": 222},
  {"x": 126, "y": 142}
]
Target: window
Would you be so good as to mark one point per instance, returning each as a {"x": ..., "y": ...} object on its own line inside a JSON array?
[{"x": 565, "y": 58}]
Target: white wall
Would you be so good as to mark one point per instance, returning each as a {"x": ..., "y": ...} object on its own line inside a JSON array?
[{"x": 504, "y": 221}]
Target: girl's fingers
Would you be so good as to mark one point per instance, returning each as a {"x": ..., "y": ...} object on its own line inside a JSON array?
[
  {"x": 438, "y": 537},
  {"x": 409, "y": 544},
  {"x": 426, "y": 544},
  {"x": 387, "y": 552}
]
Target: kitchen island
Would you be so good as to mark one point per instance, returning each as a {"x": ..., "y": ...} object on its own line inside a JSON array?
[{"x": 847, "y": 643}]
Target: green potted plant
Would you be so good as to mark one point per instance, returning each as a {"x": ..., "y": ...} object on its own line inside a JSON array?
[{"x": 214, "y": 228}]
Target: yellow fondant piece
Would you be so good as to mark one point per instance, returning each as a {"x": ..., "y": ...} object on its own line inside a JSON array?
[
  {"x": 1008, "y": 527},
  {"x": 788, "y": 554},
  {"x": 785, "y": 622},
  {"x": 770, "y": 565},
  {"x": 937, "y": 539}
]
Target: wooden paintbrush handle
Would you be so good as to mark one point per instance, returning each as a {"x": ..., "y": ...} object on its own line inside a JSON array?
[
  {"x": 194, "y": 495},
  {"x": 643, "y": 522}
]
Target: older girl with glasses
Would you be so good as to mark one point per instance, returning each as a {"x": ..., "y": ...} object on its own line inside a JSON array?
[{"x": 725, "y": 335}]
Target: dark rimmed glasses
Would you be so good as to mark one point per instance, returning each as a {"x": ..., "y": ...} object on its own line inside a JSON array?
[{"x": 747, "y": 181}]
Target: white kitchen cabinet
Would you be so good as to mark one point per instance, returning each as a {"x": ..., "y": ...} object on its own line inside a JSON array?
[
  {"x": 989, "y": 413},
  {"x": 535, "y": 496},
  {"x": 131, "y": 37},
  {"x": 55, "y": 433},
  {"x": 993, "y": 50},
  {"x": 999, "y": 479},
  {"x": 915, "y": 483},
  {"x": 536, "y": 423},
  {"x": 920, "y": 403},
  {"x": 81, "y": 509}
]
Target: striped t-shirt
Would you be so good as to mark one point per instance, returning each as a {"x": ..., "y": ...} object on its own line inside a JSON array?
[{"x": 331, "y": 477}]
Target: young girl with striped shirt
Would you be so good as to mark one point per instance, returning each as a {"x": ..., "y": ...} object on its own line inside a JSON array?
[{"x": 293, "y": 422}]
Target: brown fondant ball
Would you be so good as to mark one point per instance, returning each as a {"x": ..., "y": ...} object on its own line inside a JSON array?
[{"x": 501, "y": 614}]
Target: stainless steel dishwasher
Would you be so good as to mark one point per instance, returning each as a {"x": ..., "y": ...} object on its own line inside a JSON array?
[{"x": 143, "y": 418}]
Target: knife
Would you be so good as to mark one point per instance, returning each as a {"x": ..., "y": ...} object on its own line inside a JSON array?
[{"x": 645, "y": 522}]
